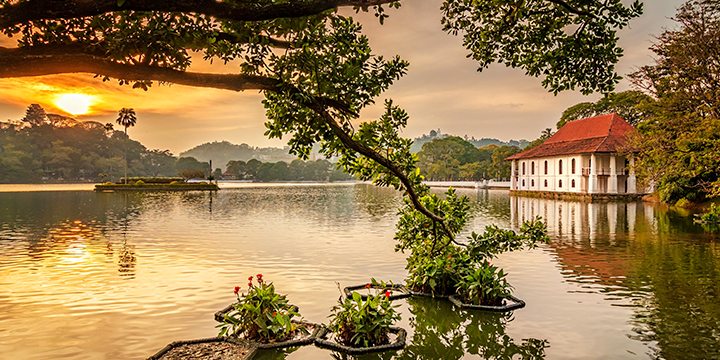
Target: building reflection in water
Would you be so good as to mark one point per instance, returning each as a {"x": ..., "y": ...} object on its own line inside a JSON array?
[
  {"x": 651, "y": 259},
  {"x": 577, "y": 220}
]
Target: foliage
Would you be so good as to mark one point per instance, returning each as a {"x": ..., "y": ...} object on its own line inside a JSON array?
[
  {"x": 188, "y": 174},
  {"x": 679, "y": 144},
  {"x": 126, "y": 118},
  {"x": 631, "y": 105},
  {"x": 713, "y": 215},
  {"x": 517, "y": 34},
  {"x": 261, "y": 314},
  {"x": 453, "y": 158},
  {"x": 484, "y": 285},
  {"x": 58, "y": 148},
  {"x": 435, "y": 264},
  {"x": 363, "y": 323}
]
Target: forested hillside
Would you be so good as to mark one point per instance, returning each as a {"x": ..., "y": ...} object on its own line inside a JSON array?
[{"x": 53, "y": 147}]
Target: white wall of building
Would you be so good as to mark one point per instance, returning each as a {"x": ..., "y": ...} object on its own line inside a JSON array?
[{"x": 583, "y": 177}]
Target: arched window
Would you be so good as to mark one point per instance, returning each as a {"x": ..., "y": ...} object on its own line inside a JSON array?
[
  {"x": 532, "y": 182},
  {"x": 545, "y": 167},
  {"x": 523, "y": 182},
  {"x": 572, "y": 166},
  {"x": 523, "y": 170},
  {"x": 572, "y": 183},
  {"x": 560, "y": 183},
  {"x": 532, "y": 168},
  {"x": 545, "y": 182},
  {"x": 560, "y": 167}
]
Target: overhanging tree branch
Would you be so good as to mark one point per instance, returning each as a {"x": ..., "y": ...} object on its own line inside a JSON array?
[
  {"x": 67, "y": 9},
  {"x": 22, "y": 63}
]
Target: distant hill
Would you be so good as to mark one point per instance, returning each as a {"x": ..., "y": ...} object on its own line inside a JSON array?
[
  {"x": 222, "y": 152},
  {"x": 437, "y": 134}
]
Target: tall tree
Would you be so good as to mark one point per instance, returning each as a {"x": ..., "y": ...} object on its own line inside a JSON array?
[
  {"x": 35, "y": 115},
  {"x": 126, "y": 118},
  {"x": 680, "y": 143}
]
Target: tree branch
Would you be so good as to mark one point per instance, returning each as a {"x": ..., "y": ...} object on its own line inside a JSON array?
[
  {"x": 50, "y": 60},
  {"x": 67, "y": 9},
  {"x": 572, "y": 9},
  {"x": 348, "y": 141}
]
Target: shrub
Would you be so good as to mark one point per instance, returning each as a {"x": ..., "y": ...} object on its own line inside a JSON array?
[
  {"x": 175, "y": 183},
  {"x": 363, "y": 323},
  {"x": 713, "y": 215},
  {"x": 261, "y": 314},
  {"x": 140, "y": 182},
  {"x": 486, "y": 285}
]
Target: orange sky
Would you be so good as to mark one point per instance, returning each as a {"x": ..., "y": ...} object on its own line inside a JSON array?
[{"x": 442, "y": 89}]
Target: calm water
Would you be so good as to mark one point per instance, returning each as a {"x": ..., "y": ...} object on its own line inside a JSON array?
[{"x": 118, "y": 276}]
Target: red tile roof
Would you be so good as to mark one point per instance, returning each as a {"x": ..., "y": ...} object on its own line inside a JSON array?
[{"x": 599, "y": 134}]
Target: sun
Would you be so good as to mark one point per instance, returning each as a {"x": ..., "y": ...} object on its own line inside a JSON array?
[{"x": 75, "y": 104}]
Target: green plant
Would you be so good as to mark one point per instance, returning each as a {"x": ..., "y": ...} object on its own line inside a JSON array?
[
  {"x": 485, "y": 285},
  {"x": 363, "y": 323},
  {"x": 261, "y": 314},
  {"x": 713, "y": 215}
]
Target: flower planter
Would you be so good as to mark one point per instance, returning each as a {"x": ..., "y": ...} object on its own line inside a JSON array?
[
  {"x": 403, "y": 291},
  {"x": 298, "y": 339},
  {"x": 220, "y": 315},
  {"x": 509, "y": 303},
  {"x": 417, "y": 293},
  {"x": 192, "y": 348},
  {"x": 326, "y": 339}
]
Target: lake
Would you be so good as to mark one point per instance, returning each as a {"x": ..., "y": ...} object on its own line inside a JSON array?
[{"x": 87, "y": 275}]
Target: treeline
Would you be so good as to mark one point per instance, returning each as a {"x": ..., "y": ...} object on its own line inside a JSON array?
[
  {"x": 297, "y": 170},
  {"x": 47, "y": 147},
  {"x": 51, "y": 147},
  {"x": 453, "y": 158}
]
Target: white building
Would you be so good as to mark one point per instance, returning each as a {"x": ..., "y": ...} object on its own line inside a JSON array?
[{"x": 582, "y": 157}]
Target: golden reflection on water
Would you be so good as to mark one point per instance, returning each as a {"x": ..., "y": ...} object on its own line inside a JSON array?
[{"x": 118, "y": 276}]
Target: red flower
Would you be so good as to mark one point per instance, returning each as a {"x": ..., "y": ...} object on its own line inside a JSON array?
[
  {"x": 448, "y": 256},
  {"x": 250, "y": 278},
  {"x": 237, "y": 288},
  {"x": 250, "y": 285},
  {"x": 367, "y": 286},
  {"x": 259, "y": 277},
  {"x": 504, "y": 279},
  {"x": 274, "y": 313},
  {"x": 387, "y": 294}
]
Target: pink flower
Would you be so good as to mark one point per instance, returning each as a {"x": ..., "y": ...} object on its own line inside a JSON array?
[{"x": 237, "y": 288}]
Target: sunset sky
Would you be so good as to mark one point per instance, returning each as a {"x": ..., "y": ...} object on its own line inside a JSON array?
[{"x": 442, "y": 89}]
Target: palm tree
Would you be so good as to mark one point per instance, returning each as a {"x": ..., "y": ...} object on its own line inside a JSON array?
[{"x": 126, "y": 118}]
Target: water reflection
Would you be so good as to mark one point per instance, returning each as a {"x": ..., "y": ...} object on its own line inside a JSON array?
[
  {"x": 119, "y": 276},
  {"x": 645, "y": 257},
  {"x": 442, "y": 331}
]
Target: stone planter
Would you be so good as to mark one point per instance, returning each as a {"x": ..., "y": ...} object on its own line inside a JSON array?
[
  {"x": 228, "y": 348},
  {"x": 326, "y": 339},
  {"x": 509, "y": 303},
  {"x": 398, "y": 291},
  {"x": 296, "y": 340},
  {"x": 417, "y": 293}
]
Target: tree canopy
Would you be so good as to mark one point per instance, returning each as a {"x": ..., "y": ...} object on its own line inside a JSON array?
[
  {"x": 314, "y": 66},
  {"x": 680, "y": 142}
]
